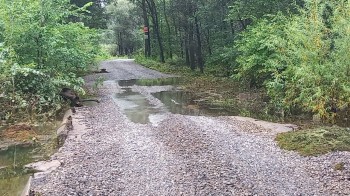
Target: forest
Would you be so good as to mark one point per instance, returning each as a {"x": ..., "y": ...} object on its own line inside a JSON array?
[{"x": 296, "y": 51}]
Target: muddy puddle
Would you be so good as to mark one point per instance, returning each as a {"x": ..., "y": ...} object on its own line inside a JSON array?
[
  {"x": 15, "y": 153},
  {"x": 180, "y": 102},
  {"x": 13, "y": 177},
  {"x": 138, "y": 109},
  {"x": 13, "y": 186},
  {"x": 136, "y": 106},
  {"x": 150, "y": 82}
]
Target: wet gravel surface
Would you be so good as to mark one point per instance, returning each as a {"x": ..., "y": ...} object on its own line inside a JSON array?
[{"x": 182, "y": 155}]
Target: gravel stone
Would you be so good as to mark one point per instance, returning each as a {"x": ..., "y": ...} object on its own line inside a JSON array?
[{"x": 181, "y": 155}]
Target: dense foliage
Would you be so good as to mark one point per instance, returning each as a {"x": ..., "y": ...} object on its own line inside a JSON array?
[
  {"x": 302, "y": 60},
  {"x": 123, "y": 26},
  {"x": 297, "y": 51},
  {"x": 41, "y": 51},
  {"x": 94, "y": 16}
]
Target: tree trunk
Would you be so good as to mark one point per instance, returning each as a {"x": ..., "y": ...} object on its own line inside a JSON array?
[
  {"x": 169, "y": 31},
  {"x": 154, "y": 17},
  {"x": 191, "y": 48},
  {"x": 146, "y": 25},
  {"x": 207, "y": 36},
  {"x": 186, "y": 50},
  {"x": 199, "y": 46}
]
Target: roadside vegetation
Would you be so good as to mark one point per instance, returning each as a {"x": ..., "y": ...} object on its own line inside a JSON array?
[
  {"x": 318, "y": 141},
  {"x": 292, "y": 56},
  {"x": 44, "y": 46}
]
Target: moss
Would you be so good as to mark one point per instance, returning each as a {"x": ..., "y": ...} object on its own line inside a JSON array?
[
  {"x": 316, "y": 141},
  {"x": 339, "y": 166}
]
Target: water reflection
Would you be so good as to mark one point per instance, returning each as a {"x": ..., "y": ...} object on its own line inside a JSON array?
[
  {"x": 136, "y": 107},
  {"x": 150, "y": 82},
  {"x": 16, "y": 156},
  {"x": 124, "y": 83},
  {"x": 180, "y": 102},
  {"x": 13, "y": 177},
  {"x": 159, "y": 81},
  {"x": 13, "y": 186}
]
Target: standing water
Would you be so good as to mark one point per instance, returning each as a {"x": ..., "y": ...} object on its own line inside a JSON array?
[
  {"x": 139, "y": 110},
  {"x": 15, "y": 154}
]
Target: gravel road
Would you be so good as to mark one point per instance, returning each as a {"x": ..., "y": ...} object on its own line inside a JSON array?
[{"x": 107, "y": 154}]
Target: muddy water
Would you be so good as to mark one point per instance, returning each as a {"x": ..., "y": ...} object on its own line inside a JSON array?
[
  {"x": 13, "y": 186},
  {"x": 139, "y": 110},
  {"x": 136, "y": 107},
  {"x": 179, "y": 102},
  {"x": 13, "y": 177},
  {"x": 150, "y": 82}
]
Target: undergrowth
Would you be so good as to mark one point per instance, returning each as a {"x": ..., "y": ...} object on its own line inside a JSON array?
[
  {"x": 315, "y": 141},
  {"x": 170, "y": 67},
  {"x": 228, "y": 93}
]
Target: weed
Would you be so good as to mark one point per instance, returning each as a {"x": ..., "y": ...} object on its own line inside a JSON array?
[
  {"x": 339, "y": 166},
  {"x": 98, "y": 83},
  {"x": 316, "y": 141}
]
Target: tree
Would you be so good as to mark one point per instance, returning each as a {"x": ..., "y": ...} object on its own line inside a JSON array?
[
  {"x": 95, "y": 15},
  {"x": 41, "y": 52},
  {"x": 125, "y": 25},
  {"x": 301, "y": 59}
]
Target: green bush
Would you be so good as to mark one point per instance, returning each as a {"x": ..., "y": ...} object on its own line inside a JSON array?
[
  {"x": 318, "y": 71},
  {"x": 301, "y": 60},
  {"x": 41, "y": 52},
  {"x": 258, "y": 50}
]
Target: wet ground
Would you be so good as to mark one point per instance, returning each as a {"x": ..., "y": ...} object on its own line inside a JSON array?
[
  {"x": 174, "y": 100},
  {"x": 12, "y": 176},
  {"x": 138, "y": 108},
  {"x": 178, "y": 101},
  {"x": 15, "y": 155},
  {"x": 164, "y": 152}
]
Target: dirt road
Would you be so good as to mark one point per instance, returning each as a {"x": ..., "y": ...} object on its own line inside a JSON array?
[{"x": 107, "y": 154}]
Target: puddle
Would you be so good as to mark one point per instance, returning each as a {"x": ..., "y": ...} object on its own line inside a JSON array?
[
  {"x": 136, "y": 107},
  {"x": 151, "y": 82},
  {"x": 17, "y": 156},
  {"x": 159, "y": 81},
  {"x": 138, "y": 110},
  {"x": 180, "y": 102},
  {"x": 124, "y": 83},
  {"x": 13, "y": 186},
  {"x": 13, "y": 177}
]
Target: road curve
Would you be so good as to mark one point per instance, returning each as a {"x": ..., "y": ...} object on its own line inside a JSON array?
[{"x": 107, "y": 154}]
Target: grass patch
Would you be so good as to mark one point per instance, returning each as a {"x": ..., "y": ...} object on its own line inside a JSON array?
[
  {"x": 316, "y": 141},
  {"x": 339, "y": 166},
  {"x": 168, "y": 67}
]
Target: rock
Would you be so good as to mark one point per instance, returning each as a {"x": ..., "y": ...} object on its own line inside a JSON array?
[
  {"x": 43, "y": 167},
  {"x": 63, "y": 130}
]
